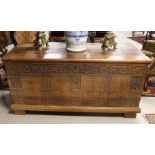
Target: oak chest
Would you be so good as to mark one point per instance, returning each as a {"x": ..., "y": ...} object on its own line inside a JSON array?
[{"x": 92, "y": 81}]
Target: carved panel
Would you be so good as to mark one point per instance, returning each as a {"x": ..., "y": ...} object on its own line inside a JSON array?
[
  {"x": 16, "y": 88},
  {"x": 118, "y": 90},
  {"x": 76, "y": 80},
  {"x": 15, "y": 81},
  {"x": 45, "y": 86},
  {"x": 105, "y": 90},
  {"x": 135, "y": 91},
  {"x": 134, "y": 98},
  {"x": 75, "y": 88},
  {"x": 136, "y": 83}
]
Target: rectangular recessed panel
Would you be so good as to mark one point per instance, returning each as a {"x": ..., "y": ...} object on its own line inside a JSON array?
[{"x": 119, "y": 91}]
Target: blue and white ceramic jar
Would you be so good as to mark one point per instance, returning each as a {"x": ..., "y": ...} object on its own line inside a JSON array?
[{"x": 76, "y": 41}]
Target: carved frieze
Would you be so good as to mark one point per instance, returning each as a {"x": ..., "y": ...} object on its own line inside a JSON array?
[
  {"x": 123, "y": 70},
  {"x": 138, "y": 70},
  {"x": 75, "y": 68}
]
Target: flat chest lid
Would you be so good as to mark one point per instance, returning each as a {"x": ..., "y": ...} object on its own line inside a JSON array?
[{"x": 56, "y": 53}]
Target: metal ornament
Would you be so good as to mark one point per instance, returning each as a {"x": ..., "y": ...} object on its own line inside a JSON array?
[
  {"x": 40, "y": 42},
  {"x": 108, "y": 42}
]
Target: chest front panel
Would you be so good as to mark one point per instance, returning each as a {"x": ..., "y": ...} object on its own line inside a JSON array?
[{"x": 76, "y": 84}]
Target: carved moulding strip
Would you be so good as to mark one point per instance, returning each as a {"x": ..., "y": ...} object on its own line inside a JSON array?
[{"x": 75, "y": 68}]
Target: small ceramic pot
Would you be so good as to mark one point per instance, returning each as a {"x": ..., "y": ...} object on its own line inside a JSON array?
[{"x": 76, "y": 41}]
